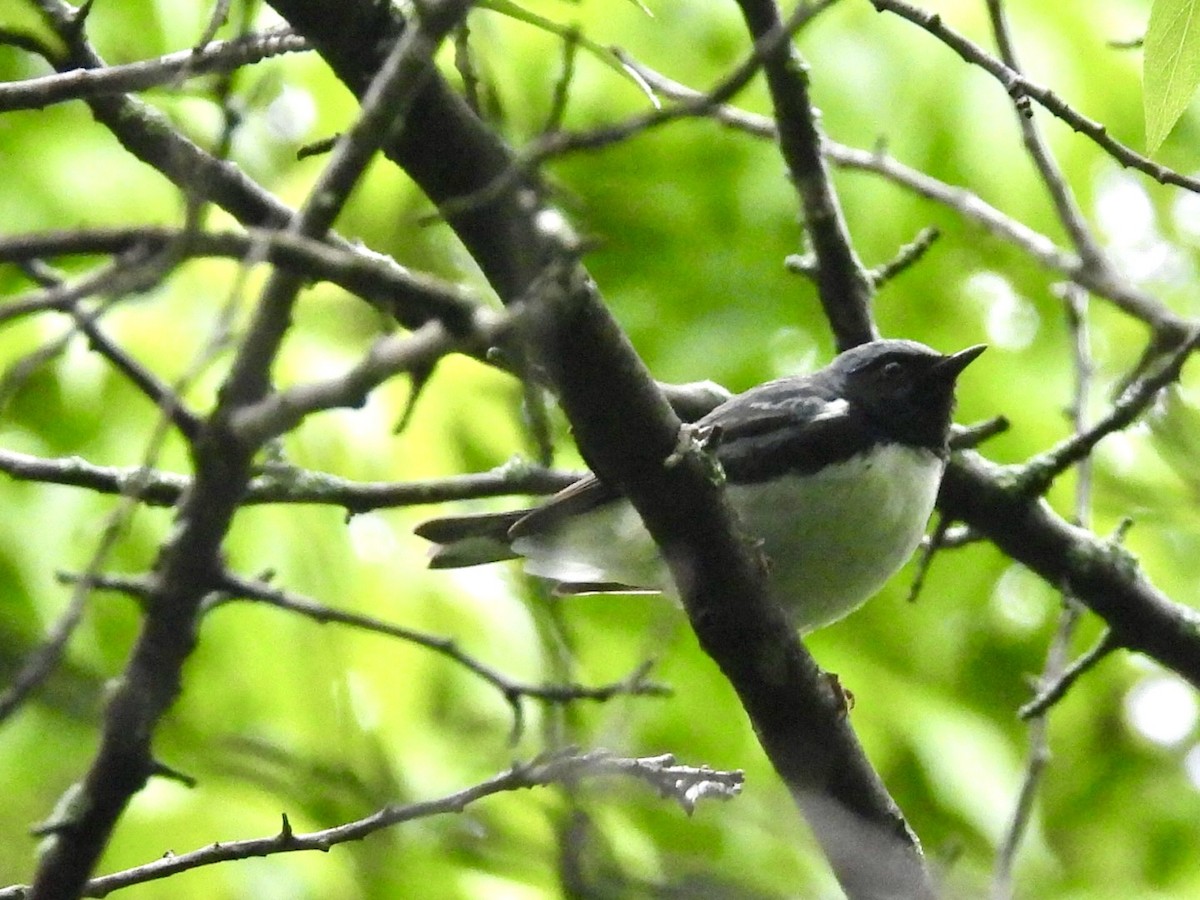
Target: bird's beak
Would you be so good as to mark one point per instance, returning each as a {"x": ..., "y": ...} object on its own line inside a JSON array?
[{"x": 948, "y": 368}]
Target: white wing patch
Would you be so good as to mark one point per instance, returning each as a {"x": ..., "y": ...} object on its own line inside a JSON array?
[{"x": 833, "y": 409}]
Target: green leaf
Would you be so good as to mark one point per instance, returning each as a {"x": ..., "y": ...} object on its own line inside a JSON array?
[{"x": 1170, "y": 66}]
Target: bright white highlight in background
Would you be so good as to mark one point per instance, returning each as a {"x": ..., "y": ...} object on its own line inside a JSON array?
[
  {"x": 371, "y": 538},
  {"x": 1010, "y": 320},
  {"x": 291, "y": 115},
  {"x": 1162, "y": 709},
  {"x": 1020, "y": 601},
  {"x": 1124, "y": 211},
  {"x": 1191, "y": 765}
]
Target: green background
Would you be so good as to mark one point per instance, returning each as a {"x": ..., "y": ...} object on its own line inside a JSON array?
[{"x": 692, "y": 223}]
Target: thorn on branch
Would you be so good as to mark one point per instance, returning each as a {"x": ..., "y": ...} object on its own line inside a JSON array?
[
  {"x": 802, "y": 264},
  {"x": 75, "y": 21},
  {"x": 419, "y": 376},
  {"x": 464, "y": 64},
  {"x": 162, "y": 770},
  {"x": 1122, "y": 529},
  {"x": 968, "y": 437},
  {"x": 318, "y": 148}
]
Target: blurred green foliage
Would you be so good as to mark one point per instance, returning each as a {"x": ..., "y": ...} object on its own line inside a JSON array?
[{"x": 692, "y": 224}]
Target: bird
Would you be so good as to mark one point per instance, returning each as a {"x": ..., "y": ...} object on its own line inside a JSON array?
[{"x": 833, "y": 474}]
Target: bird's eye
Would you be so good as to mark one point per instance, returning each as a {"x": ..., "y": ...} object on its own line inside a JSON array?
[{"x": 891, "y": 371}]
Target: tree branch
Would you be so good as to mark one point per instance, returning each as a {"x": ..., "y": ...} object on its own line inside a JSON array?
[
  {"x": 798, "y": 715},
  {"x": 79, "y": 84},
  {"x": 844, "y": 286},
  {"x": 685, "y": 784},
  {"x": 283, "y": 484},
  {"x": 1018, "y": 86},
  {"x": 1100, "y": 280},
  {"x": 190, "y": 564},
  {"x": 412, "y": 298},
  {"x": 1098, "y": 573}
]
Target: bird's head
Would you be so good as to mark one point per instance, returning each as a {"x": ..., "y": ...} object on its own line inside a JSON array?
[{"x": 905, "y": 389}]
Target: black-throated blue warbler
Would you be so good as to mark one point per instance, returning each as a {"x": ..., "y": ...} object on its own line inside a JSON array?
[{"x": 835, "y": 473}]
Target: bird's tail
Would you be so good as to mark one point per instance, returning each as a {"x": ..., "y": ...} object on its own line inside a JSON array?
[{"x": 470, "y": 540}]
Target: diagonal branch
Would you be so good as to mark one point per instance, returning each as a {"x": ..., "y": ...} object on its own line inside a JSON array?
[
  {"x": 797, "y": 714},
  {"x": 1017, "y": 85},
  {"x": 1101, "y": 575},
  {"x": 1036, "y": 475}
]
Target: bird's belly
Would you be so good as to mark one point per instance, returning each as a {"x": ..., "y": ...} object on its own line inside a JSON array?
[{"x": 832, "y": 539}]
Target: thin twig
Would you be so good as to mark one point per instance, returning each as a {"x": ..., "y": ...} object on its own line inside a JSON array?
[
  {"x": 1017, "y": 85},
  {"x": 216, "y": 19},
  {"x": 285, "y": 484},
  {"x": 1038, "y": 150},
  {"x": 905, "y": 257},
  {"x": 162, "y": 395},
  {"x": 514, "y": 691},
  {"x": 1056, "y": 656},
  {"x": 1056, "y": 690},
  {"x": 929, "y": 547},
  {"x": 562, "y": 84},
  {"x": 687, "y": 785}
]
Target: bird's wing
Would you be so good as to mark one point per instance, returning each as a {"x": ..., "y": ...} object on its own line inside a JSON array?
[
  {"x": 791, "y": 425},
  {"x": 775, "y": 408},
  {"x": 582, "y": 496}
]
